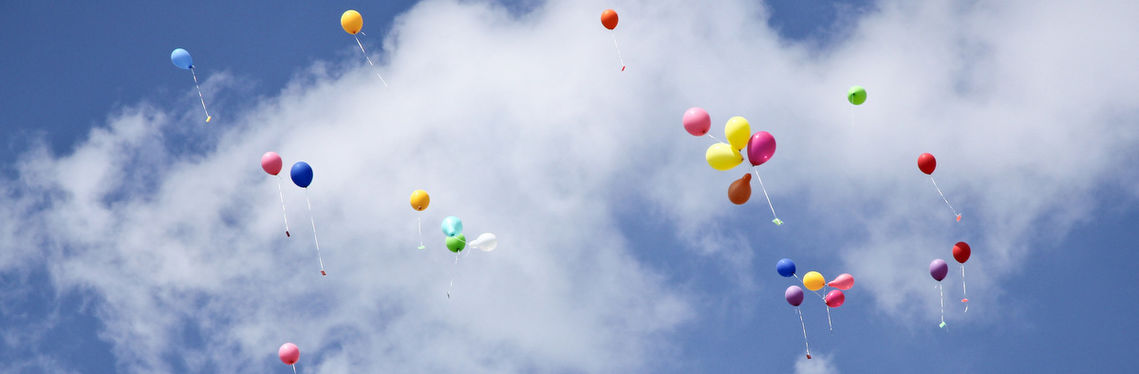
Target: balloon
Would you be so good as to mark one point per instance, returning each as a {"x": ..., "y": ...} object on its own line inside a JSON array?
[
  {"x": 486, "y": 242},
  {"x": 926, "y": 163},
  {"x": 843, "y": 281},
  {"x": 961, "y": 252},
  {"x": 351, "y": 21},
  {"x": 737, "y": 130},
  {"x": 720, "y": 156},
  {"x": 760, "y": 148},
  {"x": 814, "y": 281},
  {"x": 420, "y": 200},
  {"x": 785, "y": 267},
  {"x": 697, "y": 121},
  {"x": 740, "y": 190},
  {"x": 938, "y": 269},
  {"x": 289, "y": 353},
  {"x": 302, "y": 174},
  {"x": 835, "y": 298},
  {"x": 456, "y": 243},
  {"x": 452, "y": 226},
  {"x": 181, "y": 58},
  {"x": 856, "y": 95},
  {"x": 271, "y": 163},
  {"x": 609, "y": 19},
  {"x": 794, "y": 295}
]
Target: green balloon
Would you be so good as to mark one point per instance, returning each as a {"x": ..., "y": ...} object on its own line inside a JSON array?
[
  {"x": 456, "y": 243},
  {"x": 856, "y": 95}
]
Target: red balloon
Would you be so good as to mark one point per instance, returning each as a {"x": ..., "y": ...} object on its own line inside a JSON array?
[
  {"x": 835, "y": 299},
  {"x": 927, "y": 163},
  {"x": 609, "y": 19},
  {"x": 961, "y": 252}
]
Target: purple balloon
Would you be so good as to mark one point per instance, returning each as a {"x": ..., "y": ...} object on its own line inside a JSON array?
[
  {"x": 760, "y": 148},
  {"x": 938, "y": 269},
  {"x": 794, "y": 295}
]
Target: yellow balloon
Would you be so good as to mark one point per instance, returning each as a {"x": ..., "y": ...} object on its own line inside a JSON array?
[
  {"x": 738, "y": 131},
  {"x": 420, "y": 200},
  {"x": 814, "y": 281},
  {"x": 721, "y": 156},
  {"x": 351, "y": 21}
]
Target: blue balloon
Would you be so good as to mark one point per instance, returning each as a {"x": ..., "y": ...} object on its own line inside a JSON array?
[
  {"x": 452, "y": 226},
  {"x": 302, "y": 174},
  {"x": 785, "y": 267},
  {"x": 181, "y": 58}
]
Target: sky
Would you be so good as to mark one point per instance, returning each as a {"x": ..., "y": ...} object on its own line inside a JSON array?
[{"x": 140, "y": 239}]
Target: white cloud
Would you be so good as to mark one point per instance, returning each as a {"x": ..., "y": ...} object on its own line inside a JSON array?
[
  {"x": 521, "y": 125},
  {"x": 818, "y": 364}
]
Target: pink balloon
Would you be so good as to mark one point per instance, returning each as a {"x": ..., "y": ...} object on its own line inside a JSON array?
[
  {"x": 271, "y": 162},
  {"x": 289, "y": 353},
  {"x": 697, "y": 121},
  {"x": 843, "y": 281},
  {"x": 835, "y": 298},
  {"x": 760, "y": 148}
]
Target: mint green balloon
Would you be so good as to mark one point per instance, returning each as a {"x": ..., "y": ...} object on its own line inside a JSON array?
[
  {"x": 456, "y": 243},
  {"x": 856, "y": 95}
]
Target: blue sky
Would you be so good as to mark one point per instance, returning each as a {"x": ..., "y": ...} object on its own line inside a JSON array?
[{"x": 622, "y": 258}]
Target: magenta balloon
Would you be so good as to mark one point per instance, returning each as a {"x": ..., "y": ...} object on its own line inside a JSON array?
[
  {"x": 289, "y": 353},
  {"x": 938, "y": 269},
  {"x": 271, "y": 162},
  {"x": 760, "y": 148},
  {"x": 843, "y": 281},
  {"x": 835, "y": 298},
  {"x": 794, "y": 295},
  {"x": 697, "y": 121}
]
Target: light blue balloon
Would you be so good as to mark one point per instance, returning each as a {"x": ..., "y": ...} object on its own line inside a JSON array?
[
  {"x": 452, "y": 226},
  {"x": 181, "y": 58}
]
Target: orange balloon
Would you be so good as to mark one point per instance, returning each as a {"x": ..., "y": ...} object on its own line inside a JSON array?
[
  {"x": 609, "y": 19},
  {"x": 740, "y": 190}
]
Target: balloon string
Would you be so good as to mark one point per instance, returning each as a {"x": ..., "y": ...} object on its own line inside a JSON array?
[
  {"x": 714, "y": 138},
  {"x": 284, "y": 213},
  {"x": 453, "y": 269},
  {"x": 829, "y": 325},
  {"x": 618, "y": 48},
  {"x": 942, "y": 296},
  {"x": 294, "y": 368},
  {"x": 313, "y": 221},
  {"x": 369, "y": 60},
  {"x": 804, "y": 326},
  {"x": 943, "y": 198},
  {"x": 200, "y": 97},
  {"x": 964, "y": 293},
  {"x": 776, "y": 220},
  {"x": 419, "y": 222}
]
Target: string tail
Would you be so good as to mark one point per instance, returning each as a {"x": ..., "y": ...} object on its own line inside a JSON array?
[
  {"x": 620, "y": 60},
  {"x": 776, "y": 220},
  {"x": 964, "y": 293},
  {"x": 200, "y": 97},
  {"x": 370, "y": 60},
  {"x": 955, "y": 213},
  {"x": 829, "y": 325},
  {"x": 314, "y": 238},
  {"x": 294, "y": 368},
  {"x": 419, "y": 222},
  {"x": 284, "y": 213},
  {"x": 804, "y": 326},
  {"x": 941, "y": 296}
]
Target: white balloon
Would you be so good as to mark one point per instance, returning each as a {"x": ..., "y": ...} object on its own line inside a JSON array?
[{"x": 486, "y": 242}]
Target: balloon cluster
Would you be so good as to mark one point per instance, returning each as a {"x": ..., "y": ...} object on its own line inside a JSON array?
[
  {"x": 939, "y": 269},
  {"x": 813, "y": 281},
  {"x": 725, "y": 156},
  {"x": 456, "y": 241}
]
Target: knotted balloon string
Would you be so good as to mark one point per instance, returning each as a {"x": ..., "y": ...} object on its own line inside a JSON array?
[
  {"x": 284, "y": 213},
  {"x": 294, "y": 368},
  {"x": 369, "y": 59},
  {"x": 804, "y": 326},
  {"x": 964, "y": 294},
  {"x": 777, "y": 221},
  {"x": 313, "y": 221},
  {"x": 958, "y": 215},
  {"x": 419, "y": 220},
  {"x": 200, "y": 97},
  {"x": 618, "y": 48},
  {"x": 941, "y": 295}
]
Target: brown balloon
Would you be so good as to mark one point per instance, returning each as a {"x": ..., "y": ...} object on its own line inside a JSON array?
[{"x": 740, "y": 190}]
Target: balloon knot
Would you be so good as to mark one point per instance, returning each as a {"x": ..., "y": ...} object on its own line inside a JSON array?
[
  {"x": 322, "y": 273},
  {"x": 964, "y": 300},
  {"x": 778, "y": 222},
  {"x": 287, "y": 235},
  {"x": 958, "y": 218},
  {"x": 622, "y": 67},
  {"x": 209, "y": 118},
  {"x": 808, "y": 356}
]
